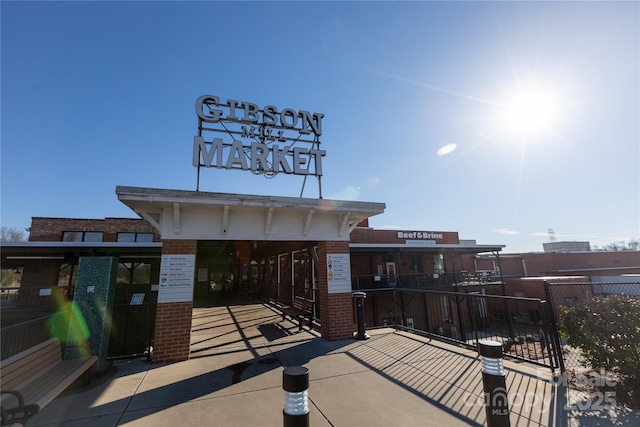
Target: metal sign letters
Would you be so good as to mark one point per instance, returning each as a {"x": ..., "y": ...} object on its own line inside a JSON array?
[{"x": 240, "y": 135}]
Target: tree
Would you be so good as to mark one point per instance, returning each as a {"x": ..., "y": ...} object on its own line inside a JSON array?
[
  {"x": 11, "y": 234},
  {"x": 10, "y": 277},
  {"x": 631, "y": 245}
]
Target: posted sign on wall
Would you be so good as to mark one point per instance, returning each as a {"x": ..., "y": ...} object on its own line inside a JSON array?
[
  {"x": 338, "y": 273},
  {"x": 176, "y": 278}
]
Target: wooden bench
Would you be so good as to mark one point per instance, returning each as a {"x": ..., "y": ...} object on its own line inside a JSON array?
[
  {"x": 301, "y": 309},
  {"x": 33, "y": 378}
]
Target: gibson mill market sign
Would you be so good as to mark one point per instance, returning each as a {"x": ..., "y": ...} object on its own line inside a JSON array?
[{"x": 240, "y": 135}]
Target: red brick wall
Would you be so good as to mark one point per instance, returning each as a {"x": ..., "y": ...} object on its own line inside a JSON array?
[
  {"x": 172, "y": 339},
  {"x": 179, "y": 246},
  {"x": 336, "y": 310},
  {"x": 51, "y": 229}
]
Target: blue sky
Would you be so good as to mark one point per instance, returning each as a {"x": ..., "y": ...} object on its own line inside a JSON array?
[{"x": 536, "y": 103}]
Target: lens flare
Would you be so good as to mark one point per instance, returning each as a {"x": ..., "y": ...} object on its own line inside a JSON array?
[{"x": 446, "y": 149}]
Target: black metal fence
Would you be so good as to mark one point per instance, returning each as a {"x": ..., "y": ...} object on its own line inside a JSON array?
[
  {"x": 20, "y": 337},
  {"x": 34, "y": 299},
  {"x": 422, "y": 280},
  {"x": 525, "y": 326}
]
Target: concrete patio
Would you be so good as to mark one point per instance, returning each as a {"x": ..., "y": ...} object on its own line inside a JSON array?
[{"x": 234, "y": 378}]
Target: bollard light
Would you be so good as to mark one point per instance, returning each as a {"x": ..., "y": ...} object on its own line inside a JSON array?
[
  {"x": 296, "y": 403},
  {"x": 494, "y": 384},
  {"x": 295, "y": 383},
  {"x": 491, "y": 357},
  {"x": 362, "y": 327}
]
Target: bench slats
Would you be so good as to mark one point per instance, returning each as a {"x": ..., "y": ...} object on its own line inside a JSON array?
[
  {"x": 22, "y": 367},
  {"x": 56, "y": 379},
  {"x": 40, "y": 374}
]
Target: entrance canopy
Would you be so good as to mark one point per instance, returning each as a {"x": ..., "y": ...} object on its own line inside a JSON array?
[{"x": 197, "y": 215}]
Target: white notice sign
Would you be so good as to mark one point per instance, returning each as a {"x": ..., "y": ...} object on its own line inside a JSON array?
[
  {"x": 338, "y": 273},
  {"x": 176, "y": 278}
]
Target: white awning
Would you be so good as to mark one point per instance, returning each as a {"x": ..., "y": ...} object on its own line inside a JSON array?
[{"x": 197, "y": 215}]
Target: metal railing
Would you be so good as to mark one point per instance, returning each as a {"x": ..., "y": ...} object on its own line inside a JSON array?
[
  {"x": 20, "y": 337},
  {"x": 34, "y": 299},
  {"x": 421, "y": 280},
  {"x": 525, "y": 326}
]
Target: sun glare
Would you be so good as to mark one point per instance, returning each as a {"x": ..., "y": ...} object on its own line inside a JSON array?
[{"x": 530, "y": 111}]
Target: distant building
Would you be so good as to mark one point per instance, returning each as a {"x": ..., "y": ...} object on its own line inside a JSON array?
[
  {"x": 536, "y": 264},
  {"x": 552, "y": 247}
]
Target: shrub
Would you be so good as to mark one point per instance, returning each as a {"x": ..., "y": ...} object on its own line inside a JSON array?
[{"x": 607, "y": 332}]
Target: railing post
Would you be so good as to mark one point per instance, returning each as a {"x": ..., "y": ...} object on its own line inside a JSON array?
[
  {"x": 404, "y": 310},
  {"x": 553, "y": 326},
  {"x": 426, "y": 313},
  {"x": 463, "y": 332},
  {"x": 507, "y": 311},
  {"x": 472, "y": 317}
]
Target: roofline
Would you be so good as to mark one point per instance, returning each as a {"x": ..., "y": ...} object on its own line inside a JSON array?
[
  {"x": 428, "y": 248},
  {"x": 142, "y": 194},
  {"x": 64, "y": 250},
  {"x": 71, "y": 245},
  {"x": 604, "y": 268}
]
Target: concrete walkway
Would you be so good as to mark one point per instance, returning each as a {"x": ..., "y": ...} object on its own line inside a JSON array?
[{"x": 234, "y": 378}]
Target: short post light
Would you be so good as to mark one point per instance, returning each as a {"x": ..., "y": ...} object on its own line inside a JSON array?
[
  {"x": 494, "y": 384},
  {"x": 362, "y": 327},
  {"x": 295, "y": 382}
]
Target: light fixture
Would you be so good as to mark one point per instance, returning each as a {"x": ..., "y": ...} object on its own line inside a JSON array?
[
  {"x": 494, "y": 384},
  {"x": 491, "y": 357},
  {"x": 295, "y": 382}
]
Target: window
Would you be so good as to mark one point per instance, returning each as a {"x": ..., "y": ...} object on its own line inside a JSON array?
[
  {"x": 67, "y": 275},
  {"x": 415, "y": 264},
  {"x": 126, "y": 237},
  {"x": 144, "y": 237},
  {"x": 93, "y": 236},
  {"x": 82, "y": 236},
  {"x": 135, "y": 237},
  {"x": 131, "y": 273},
  {"x": 438, "y": 264}
]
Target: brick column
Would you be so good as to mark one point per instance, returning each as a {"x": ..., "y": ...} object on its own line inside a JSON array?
[
  {"x": 336, "y": 309},
  {"x": 172, "y": 337}
]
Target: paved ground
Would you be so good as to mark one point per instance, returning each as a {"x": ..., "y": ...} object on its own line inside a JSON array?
[{"x": 234, "y": 378}]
